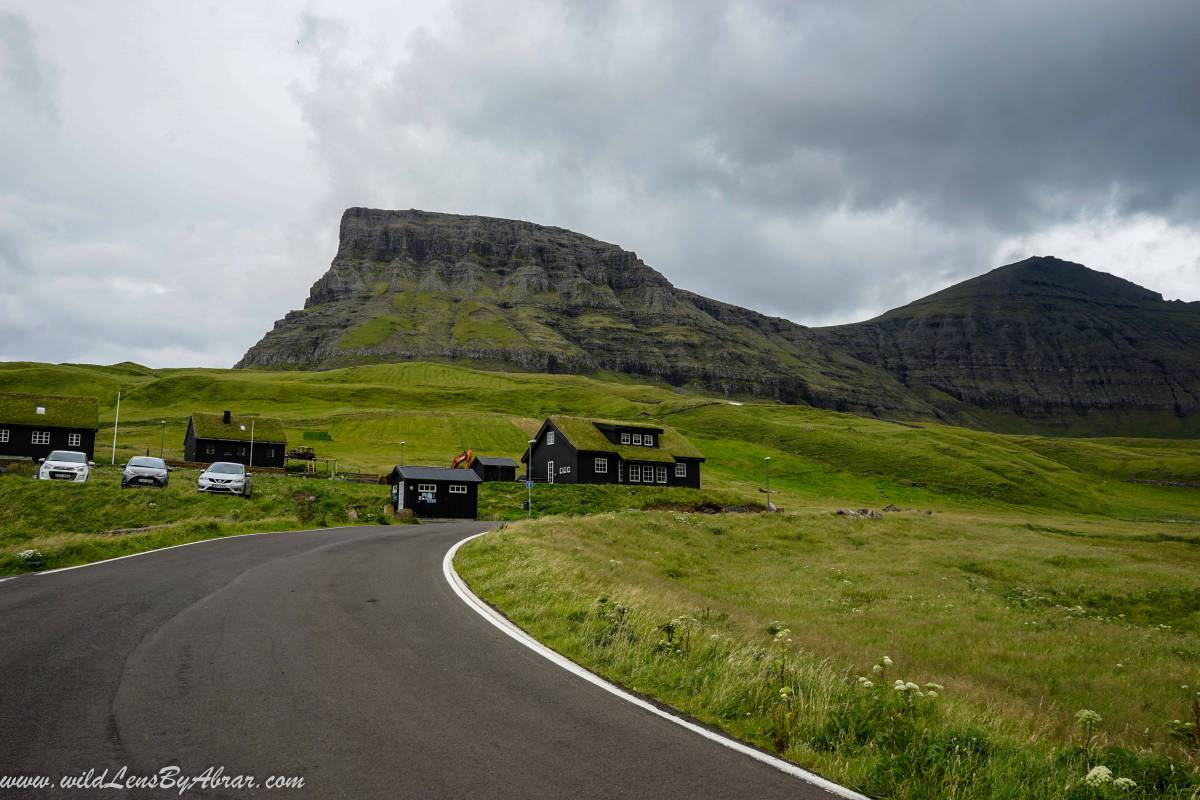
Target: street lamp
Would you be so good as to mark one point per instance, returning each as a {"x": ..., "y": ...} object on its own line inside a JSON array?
[
  {"x": 402, "y": 453},
  {"x": 767, "y": 473},
  {"x": 162, "y": 440},
  {"x": 529, "y": 479}
]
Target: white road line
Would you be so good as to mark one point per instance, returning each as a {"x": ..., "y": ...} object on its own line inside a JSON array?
[
  {"x": 172, "y": 547},
  {"x": 490, "y": 614}
]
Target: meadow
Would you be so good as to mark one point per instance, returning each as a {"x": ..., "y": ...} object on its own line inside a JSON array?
[{"x": 1031, "y": 577}]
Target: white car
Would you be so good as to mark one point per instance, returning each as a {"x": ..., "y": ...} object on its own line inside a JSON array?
[
  {"x": 65, "y": 465},
  {"x": 226, "y": 477}
]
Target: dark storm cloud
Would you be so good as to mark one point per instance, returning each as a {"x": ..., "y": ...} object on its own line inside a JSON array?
[{"x": 779, "y": 135}]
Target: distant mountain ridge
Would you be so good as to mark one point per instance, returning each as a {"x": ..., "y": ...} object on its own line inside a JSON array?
[{"x": 415, "y": 285}]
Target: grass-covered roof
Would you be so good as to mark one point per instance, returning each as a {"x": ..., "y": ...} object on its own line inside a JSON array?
[
  {"x": 60, "y": 412},
  {"x": 584, "y": 434},
  {"x": 212, "y": 426}
]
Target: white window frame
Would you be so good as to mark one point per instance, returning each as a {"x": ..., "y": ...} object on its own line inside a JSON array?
[
  {"x": 680, "y": 469},
  {"x": 74, "y": 439},
  {"x": 210, "y": 450},
  {"x": 637, "y": 439},
  {"x": 661, "y": 473},
  {"x": 458, "y": 488},
  {"x": 624, "y": 438},
  {"x": 549, "y": 437},
  {"x": 635, "y": 473},
  {"x": 3, "y": 435},
  {"x": 648, "y": 440},
  {"x": 601, "y": 466},
  {"x": 427, "y": 487},
  {"x": 40, "y": 437},
  {"x": 549, "y": 472}
]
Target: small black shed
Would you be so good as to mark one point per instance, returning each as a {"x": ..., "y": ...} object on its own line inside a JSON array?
[
  {"x": 254, "y": 441},
  {"x": 492, "y": 468},
  {"x": 436, "y": 492},
  {"x": 31, "y": 425}
]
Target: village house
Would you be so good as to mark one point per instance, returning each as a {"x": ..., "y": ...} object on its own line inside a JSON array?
[
  {"x": 32, "y": 425},
  {"x": 492, "y": 468},
  {"x": 435, "y": 492},
  {"x": 578, "y": 450},
  {"x": 253, "y": 441}
]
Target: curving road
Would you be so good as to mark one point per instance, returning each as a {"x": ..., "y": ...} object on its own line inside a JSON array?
[{"x": 342, "y": 656}]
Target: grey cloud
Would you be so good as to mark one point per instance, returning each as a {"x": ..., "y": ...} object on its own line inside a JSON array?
[{"x": 26, "y": 80}]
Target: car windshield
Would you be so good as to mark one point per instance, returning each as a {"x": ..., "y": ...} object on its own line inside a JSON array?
[
  {"x": 67, "y": 455},
  {"x": 226, "y": 469},
  {"x": 143, "y": 461}
]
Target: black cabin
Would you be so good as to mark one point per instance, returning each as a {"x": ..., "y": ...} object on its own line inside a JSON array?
[
  {"x": 491, "y": 468},
  {"x": 253, "y": 441},
  {"x": 578, "y": 450},
  {"x": 436, "y": 492},
  {"x": 32, "y": 425}
]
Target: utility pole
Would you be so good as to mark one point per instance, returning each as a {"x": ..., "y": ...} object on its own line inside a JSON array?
[
  {"x": 162, "y": 440},
  {"x": 116, "y": 423},
  {"x": 767, "y": 472},
  {"x": 251, "y": 464}
]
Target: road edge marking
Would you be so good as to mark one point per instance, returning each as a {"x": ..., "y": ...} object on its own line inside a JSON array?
[
  {"x": 505, "y": 625},
  {"x": 171, "y": 547}
]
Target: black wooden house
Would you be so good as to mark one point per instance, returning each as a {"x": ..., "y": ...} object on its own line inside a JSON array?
[
  {"x": 254, "y": 441},
  {"x": 578, "y": 450},
  {"x": 32, "y": 425},
  {"x": 491, "y": 468},
  {"x": 436, "y": 492}
]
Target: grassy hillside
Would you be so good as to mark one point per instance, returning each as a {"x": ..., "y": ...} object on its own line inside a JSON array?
[{"x": 359, "y": 415}]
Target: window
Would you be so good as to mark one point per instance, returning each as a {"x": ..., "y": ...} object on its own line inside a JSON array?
[
  {"x": 4, "y": 436},
  {"x": 427, "y": 487},
  {"x": 662, "y": 474},
  {"x": 648, "y": 440},
  {"x": 681, "y": 470},
  {"x": 41, "y": 437},
  {"x": 624, "y": 438},
  {"x": 458, "y": 488},
  {"x": 635, "y": 473},
  {"x": 637, "y": 438},
  {"x": 210, "y": 450},
  {"x": 601, "y": 466},
  {"x": 549, "y": 437},
  {"x": 73, "y": 439}
]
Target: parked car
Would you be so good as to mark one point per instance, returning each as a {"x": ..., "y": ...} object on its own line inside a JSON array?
[
  {"x": 65, "y": 465},
  {"x": 227, "y": 477},
  {"x": 145, "y": 471}
]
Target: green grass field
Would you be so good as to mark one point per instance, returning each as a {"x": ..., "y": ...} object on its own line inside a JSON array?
[{"x": 1028, "y": 575}]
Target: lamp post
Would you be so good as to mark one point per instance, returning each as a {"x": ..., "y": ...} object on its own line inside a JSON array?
[
  {"x": 529, "y": 479},
  {"x": 162, "y": 440},
  {"x": 767, "y": 474},
  {"x": 402, "y": 453}
]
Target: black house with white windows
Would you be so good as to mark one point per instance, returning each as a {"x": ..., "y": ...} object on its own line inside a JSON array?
[
  {"x": 32, "y": 425},
  {"x": 579, "y": 450},
  {"x": 436, "y": 492}
]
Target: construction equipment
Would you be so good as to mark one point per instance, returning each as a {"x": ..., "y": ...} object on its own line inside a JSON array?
[{"x": 462, "y": 460}]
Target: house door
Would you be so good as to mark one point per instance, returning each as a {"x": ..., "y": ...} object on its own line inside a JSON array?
[{"x": 549, "y": 472}]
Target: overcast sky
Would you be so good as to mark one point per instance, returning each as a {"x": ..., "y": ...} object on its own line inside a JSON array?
[{"x": 172, "y": 174}]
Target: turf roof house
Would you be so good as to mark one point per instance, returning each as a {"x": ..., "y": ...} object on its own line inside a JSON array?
[
  {"x": 578, "y": 450},
  {"x": 224, "y": 437},
  {"x": 31, "y": 425}
]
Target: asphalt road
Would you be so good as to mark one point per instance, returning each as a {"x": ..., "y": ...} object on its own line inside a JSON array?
[{"x": 340, "y": 656}]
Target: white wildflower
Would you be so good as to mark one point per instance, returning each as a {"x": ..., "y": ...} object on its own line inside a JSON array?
[
  {"x": 878, "y": 668},
  {"x": 1086, "y": 716},
  {"x": 887, "y": 662},
  {"x": 1124, "y": 783},
  {"x": 1098, "y": 776}
]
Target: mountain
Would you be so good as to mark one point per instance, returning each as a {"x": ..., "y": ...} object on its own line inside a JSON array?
[
  {"x": 1047, "y": 344},
  {"x": 409, "y": 285},
  {"x": 1042, "y": 344}
]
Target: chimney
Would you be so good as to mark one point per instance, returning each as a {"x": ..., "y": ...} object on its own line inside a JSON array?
[{"x": 226, "y": 419}]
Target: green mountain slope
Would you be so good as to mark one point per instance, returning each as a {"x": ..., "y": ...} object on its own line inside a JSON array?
[{"x": 1044, "y": 344}]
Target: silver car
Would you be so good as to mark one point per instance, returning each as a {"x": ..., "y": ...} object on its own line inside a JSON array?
[
  {"x": 145, "y": 471},
  {"x": 226, "y": 477},
  {"x": 65, "y": 465}
]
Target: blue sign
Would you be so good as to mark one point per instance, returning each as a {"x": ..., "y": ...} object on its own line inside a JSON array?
[{"x": 528, "y": 484}]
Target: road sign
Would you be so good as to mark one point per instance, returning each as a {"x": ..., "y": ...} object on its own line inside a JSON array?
[{"x": 528, "y": 484}]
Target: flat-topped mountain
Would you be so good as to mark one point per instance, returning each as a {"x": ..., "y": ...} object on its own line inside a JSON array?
[
  {"x": 1041, "y": 344},
  {"x": 409, "y": 285}
]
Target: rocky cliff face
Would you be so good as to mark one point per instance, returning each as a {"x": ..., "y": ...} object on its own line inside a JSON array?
[{"x": 1043, "y": 343}]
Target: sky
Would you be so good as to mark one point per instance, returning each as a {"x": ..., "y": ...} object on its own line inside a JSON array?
[{"x": 172, "y": 174}]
